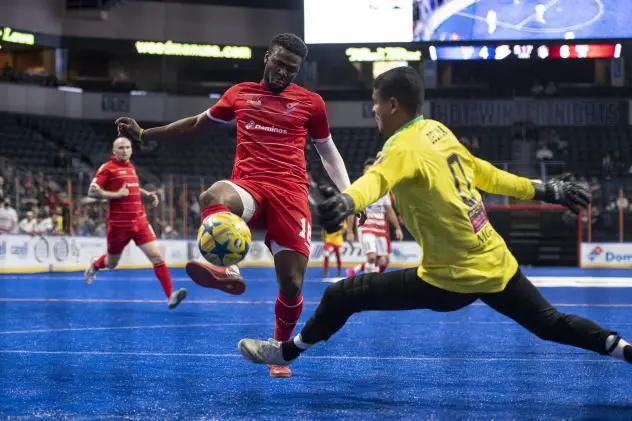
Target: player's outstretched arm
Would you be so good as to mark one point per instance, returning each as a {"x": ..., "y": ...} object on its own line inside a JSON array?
[
  {"x": 178, "y": 130},
  {"x": 496, "y": 181},
  {"x": 95, "y": 191},
  {"x": 558, "y": 190}
]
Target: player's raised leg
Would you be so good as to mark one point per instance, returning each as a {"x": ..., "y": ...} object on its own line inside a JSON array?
[
  {"x": 222, "y": 196},
  {"x": 161, "y": 270},
  {"x": 522, "y": 302}
]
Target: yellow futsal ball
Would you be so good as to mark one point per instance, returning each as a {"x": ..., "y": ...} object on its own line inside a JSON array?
[{"x": 224, "y": 239}]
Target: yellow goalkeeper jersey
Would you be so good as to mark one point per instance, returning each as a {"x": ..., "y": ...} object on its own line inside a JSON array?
[{"x": 436, "y": 181}]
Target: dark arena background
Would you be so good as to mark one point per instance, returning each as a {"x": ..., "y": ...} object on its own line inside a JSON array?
[{"x": 538, "y": 88}]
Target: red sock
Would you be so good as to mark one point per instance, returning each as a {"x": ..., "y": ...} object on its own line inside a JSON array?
[
  {"x": 287, "y": 312},
  {"x": 338, "y": 260},
  {"x": 100, "y": 262},
  {"x": 210, "y": 210},
  {"x": 326, "y": 264},
  {"x": 383, "y": 268},
  {"x": 162, "y": 272}
]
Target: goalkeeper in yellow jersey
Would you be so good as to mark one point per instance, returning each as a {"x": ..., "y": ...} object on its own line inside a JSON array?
[{"x": 436, "y": 183}]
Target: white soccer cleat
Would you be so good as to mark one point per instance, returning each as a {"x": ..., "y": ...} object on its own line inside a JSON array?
[
  {"x": 262, "y": 352},
  {"x": 90, "y": 275},
  {"x": 176, "y": 298}
]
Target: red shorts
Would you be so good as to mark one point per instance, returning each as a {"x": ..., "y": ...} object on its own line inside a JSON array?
[
  {"x": 283, "y": 212},
  {"x": 334, "y": 247},
  {"x": 119, "y": 236}
]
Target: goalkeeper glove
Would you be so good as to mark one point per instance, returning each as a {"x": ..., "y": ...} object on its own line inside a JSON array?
[{"x": 561, "y": 191}]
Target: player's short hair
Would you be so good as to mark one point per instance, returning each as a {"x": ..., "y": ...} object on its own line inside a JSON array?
[
  {"x": 403, "y": 84},
  {"x": 290, "y": 42},
  {"x": 369, "y": 161}
]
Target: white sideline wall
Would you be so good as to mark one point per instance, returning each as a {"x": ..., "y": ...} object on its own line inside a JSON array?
[{"x": 30, "y": 254}]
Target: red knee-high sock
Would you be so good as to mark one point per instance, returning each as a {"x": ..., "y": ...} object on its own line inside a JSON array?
[
  {"x": 339, "y": 261},
  {"x": 162, "y": 273},
  {"x": 99, "y": 263},
  {"x": 287, "y": 312},
  {"x": 326, "y": 264},
  {"x": 210, "y": 210}
]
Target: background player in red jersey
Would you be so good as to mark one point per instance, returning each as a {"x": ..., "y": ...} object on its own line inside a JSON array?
[
  {"x": 268, "y": 187},
  {"x": 117, "y": 182}
]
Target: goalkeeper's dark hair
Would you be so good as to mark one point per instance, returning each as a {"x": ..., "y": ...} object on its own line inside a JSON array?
[
  {"x": 405, "y": 85},
  {"x": 290, "y": 42},
  {"x": 369, "y": 161}
]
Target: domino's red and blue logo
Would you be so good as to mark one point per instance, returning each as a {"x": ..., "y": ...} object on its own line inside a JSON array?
[{"x": 596, "y": 252}]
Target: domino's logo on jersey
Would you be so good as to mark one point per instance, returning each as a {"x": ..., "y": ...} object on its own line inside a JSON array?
[
  {"x": 596, "y": 252},
  {"x": 251, "y": 125}
]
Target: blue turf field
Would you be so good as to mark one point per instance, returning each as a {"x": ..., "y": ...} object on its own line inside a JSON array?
[
  {"x": 114, "y": 351},
  {"x": 585, "y": 18}
]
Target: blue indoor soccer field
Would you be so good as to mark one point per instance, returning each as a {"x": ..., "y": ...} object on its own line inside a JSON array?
[{"x": 113, "y": 350}]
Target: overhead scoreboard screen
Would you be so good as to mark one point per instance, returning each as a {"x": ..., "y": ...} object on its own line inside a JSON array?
[{"x": 403, "y": 21}]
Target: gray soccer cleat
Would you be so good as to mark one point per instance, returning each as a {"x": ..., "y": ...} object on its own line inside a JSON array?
[
  {"x": 262, "y": 352},
  {"x": 176, "y": 298},
  {"x": 90, "y": 275}
]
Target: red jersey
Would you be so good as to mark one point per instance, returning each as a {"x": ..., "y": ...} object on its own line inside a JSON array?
[
  {"x": 112, "y": 176},
  {"x": 272, "y": 130}
]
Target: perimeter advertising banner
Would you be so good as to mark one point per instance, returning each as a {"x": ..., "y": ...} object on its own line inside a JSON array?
[
  {"x": 24, "y": 254},
  {"x": 606, "y": 255}
]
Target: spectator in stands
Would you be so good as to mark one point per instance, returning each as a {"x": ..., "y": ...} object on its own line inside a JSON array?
[
  {"x": 550, "y": 89},
  {"x": 7, "y": 71},
  {"x": 476, "y": 144},
  {"x": 45, "y": 224},
  {"x": 28, "y": 224},
  {"x": 466, "y": 142},
  {"x": 618, "y": 167},
  {"x": 58, "y": 221},
  {"x": 8, "y": 217},
  {"x": 544, "y": 153},
  {"x": 607, "y": 165},
  {"x": 537, "y": 88},
  {"x": 583, "y": 182},
  {"x": 101, "y": 229},
  {"x": 169, "y": 232},
  {"x": 28, "y": 195},
  {"x": 595, "y": 191},
  {"x": 618, "y": 203}
]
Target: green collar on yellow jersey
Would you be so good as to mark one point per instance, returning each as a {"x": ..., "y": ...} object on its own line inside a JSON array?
[{"x": 391, "y": 139}]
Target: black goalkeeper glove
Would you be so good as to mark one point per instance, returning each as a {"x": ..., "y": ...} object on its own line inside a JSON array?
[
  {"x": 335, "y": 209},
  {"x": 563, "y": 192}
]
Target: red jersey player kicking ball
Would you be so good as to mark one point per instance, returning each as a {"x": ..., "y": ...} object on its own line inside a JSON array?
[
  {"x": 268, "y": 187},
  {"x": 117, "y": 182}
]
